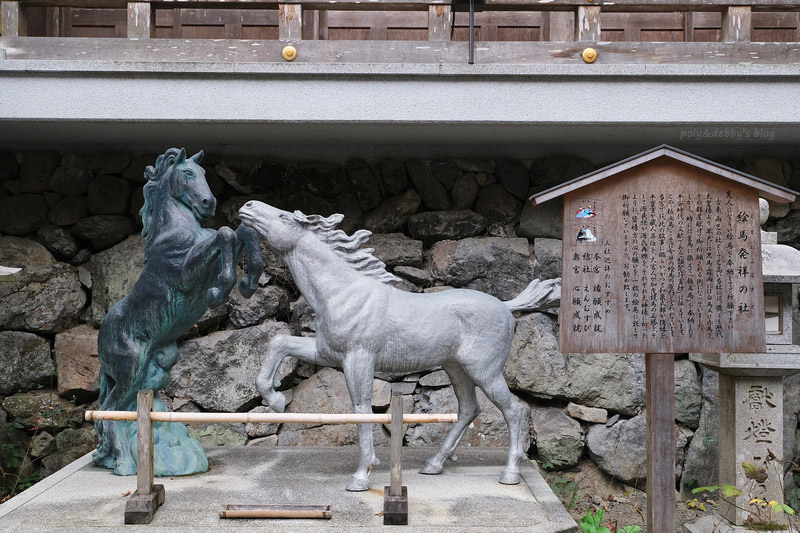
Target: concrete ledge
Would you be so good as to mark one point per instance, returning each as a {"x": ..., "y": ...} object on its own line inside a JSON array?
[{"x": 406, "y": 69}]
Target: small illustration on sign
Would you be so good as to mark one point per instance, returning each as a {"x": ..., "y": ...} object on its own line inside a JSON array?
[
  {"x": 585, "y": 235},
  {"x": 585, "y": 212}
]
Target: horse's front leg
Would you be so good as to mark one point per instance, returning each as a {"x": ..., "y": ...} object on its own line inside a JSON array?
[
  {"x": 247, "y": 241},
  {"x": 359, "y": 367},
  {"x": 204, "y": 255},
  {"x": 281, "y": 346}
]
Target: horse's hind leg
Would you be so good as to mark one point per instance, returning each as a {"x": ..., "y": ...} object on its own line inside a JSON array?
[
  {"x": 494, "y": 386},
  {"x": 468, "y": 410},
  {"x": 281, "y": 346}
]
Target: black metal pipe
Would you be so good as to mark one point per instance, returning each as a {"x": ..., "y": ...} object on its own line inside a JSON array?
[{"x": 471, "y": 32}]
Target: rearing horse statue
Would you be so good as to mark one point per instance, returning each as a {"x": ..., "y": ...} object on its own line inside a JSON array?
[
  {"x": 187, "y": 270},
  {"x": 364, "y": 324}
]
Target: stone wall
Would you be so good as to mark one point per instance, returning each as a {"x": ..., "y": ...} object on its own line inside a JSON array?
[{"x": 71, "y": 221}]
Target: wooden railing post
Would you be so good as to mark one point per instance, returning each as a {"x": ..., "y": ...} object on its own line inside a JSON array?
[
  {"x": 395, "y": 496},
  {"x": 144, "y": 442},
  {"x": 143, "y": 504},
  {"x": 587, "y": 24},
  {"x": 14, "y": 22},
  {"x": 558, "y": 26},
  {"x": 290, "y": 22},
  {"x": 141, "y": 20},
  {"x": 440, "y": 23},
  {"x": 736, "y": 24}
]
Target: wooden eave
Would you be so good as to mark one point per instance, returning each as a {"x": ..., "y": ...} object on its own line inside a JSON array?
[{"x": 765, "y": 189}]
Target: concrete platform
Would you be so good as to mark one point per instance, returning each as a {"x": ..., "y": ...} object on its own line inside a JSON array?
[{"x": 466, "y": 497}]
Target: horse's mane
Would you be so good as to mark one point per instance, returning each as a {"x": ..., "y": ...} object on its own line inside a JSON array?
[
  {"x": 348, "y": 247},
  {"x": 153, "y": 176}
]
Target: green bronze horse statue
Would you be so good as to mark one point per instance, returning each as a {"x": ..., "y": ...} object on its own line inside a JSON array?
[{"x": 187, "y": 270}]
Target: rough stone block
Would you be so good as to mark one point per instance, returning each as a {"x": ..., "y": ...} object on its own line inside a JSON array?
[
  {"x": 68, "y": 211},
  {"x": 35, "y": 170},
  {"x": 394, "y": 213},
  {"x": 393, "y": 176},
  {"x": 436, "y": 226},
  {"x": 22, "y": 214},
  {"x": 587, "y": 414},
  {"x": 104, "y": 231},
  {"x": 513, "y": 177},
  {"x": 109, "y": 195},
  {"x": 25, "y": 360},
  {"x": 77, "y": 363},
  {"x": 537, "y": 367},
  {"x": 432, "y": 192},
  {"x": 114, "y": 272},
  {"x": 497, "y": 204},
  {"x": 365, "y": 184},
  {"x": 464, "y": 191},
  {"x": 72, "y": 177},
  {"x": 497, "y": 266},
  {"x": 39, "y": 408},
  {"x": 209, "y": 365},
  {"x": 548, "y": 263},
  {"x": 559, "y": 439},
  {"x": 395, "y": 249},
  {"x": 46, "y": 297}
]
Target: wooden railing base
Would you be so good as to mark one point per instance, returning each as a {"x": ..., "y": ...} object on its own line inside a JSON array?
[
  {"x": 395, "y": 508},
  {"x": 141, "y": 508}
]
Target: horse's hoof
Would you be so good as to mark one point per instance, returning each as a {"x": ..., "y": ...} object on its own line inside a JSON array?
[
  {"x": 276, "y": 401},
  {"x": 509, "y": 478},
  {"x": 245, "y": 290},
  {"x": 214, "y": 298},
  {"x": 355, "y": 484},
  {"x": 430, "y": 468}
]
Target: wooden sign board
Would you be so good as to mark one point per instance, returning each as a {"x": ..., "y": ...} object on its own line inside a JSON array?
[{"x": 663, "y": 257}]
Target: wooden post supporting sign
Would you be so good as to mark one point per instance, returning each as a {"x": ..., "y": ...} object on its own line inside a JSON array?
[{"x": 660, "y": 404}]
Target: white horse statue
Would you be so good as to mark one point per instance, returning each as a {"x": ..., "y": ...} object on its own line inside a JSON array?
[{"x": 365, "y": 325}]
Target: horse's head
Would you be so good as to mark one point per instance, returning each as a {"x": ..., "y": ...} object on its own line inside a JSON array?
[
  {"x": 279, "y": 228},
  {"x": 184, "y": 180}
]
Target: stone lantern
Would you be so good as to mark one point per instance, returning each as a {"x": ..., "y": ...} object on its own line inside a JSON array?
[{"x": 751, "y": 387}]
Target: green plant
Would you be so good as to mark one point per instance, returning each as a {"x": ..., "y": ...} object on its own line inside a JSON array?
[
  {"x": 762, "y": 514},
  {"x": 593, "y": 522},
  {"x": 11, "y": 459},
  {"x": 562, "y": 486},
  {"x": 793, "y": 495}
]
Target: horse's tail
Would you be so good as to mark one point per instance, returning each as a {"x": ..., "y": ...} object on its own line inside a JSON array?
[{"x": 537, "y": 296}]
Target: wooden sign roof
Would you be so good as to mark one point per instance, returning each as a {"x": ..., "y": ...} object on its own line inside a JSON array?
[
  {"x": 664, "y": 257},
  {"x": 765, "y": 189}
]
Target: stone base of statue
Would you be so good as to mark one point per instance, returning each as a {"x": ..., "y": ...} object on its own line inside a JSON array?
[{"x": 175, "y": 453}]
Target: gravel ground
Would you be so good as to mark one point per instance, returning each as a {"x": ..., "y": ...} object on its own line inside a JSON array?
[{"x": 623, "y": 505}]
